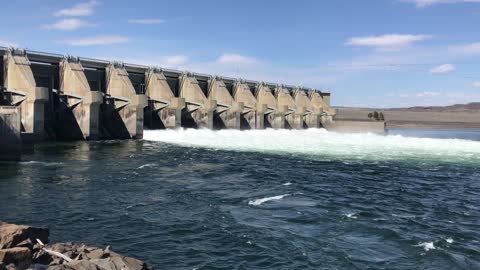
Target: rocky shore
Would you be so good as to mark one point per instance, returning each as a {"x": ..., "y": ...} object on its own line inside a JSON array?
[{"x": 25, "y": 247}]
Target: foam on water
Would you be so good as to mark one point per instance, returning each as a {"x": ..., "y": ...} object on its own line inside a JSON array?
[
  {"x": 323, "y": 144},
  {"x": 44, "y": 163},
  {"x": 351, "y": 215},
  {"x": 426, "y": 245},
  {"x": 264, "y": 200}
]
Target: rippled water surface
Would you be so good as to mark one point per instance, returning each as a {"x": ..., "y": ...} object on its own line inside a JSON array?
[{"x": 198, "y": 199}]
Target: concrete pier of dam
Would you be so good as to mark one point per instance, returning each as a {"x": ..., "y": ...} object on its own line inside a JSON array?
[
  {"x": 164, "y": 109},
  {"x": 75, "y": 98},
  {"x": 124, "y": 107},
  {"x": 243, "y": 94},
  {"x": 229, "y": 111},
  {"x": 200, "y": 110},
  {"x": 10, "y": 140},
  {"x": 80, "y": 118}
]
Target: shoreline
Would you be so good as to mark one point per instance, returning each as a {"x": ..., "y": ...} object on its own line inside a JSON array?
[{"x": 25, "y": 247}]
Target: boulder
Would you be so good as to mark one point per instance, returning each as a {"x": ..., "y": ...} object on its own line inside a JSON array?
[
  {"x": 84, "y": 265},
  {"x": 19, "y": 250},
  {"x": 21, "y": 257},
  {"x": 95, "y": 254},
  {"x": 105, "y": 264},
  {"x": 12, "y": 235}
]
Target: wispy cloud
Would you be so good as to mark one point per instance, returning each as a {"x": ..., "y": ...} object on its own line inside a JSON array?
[
  {"x": 146, "y": 21},
  {"x": 67, "y": 25},
  {"x": 97, "y": 40},
  {"x": 7, "y": 43},
  {"x": 427, "y": 3},
  {"x": 476, "y": 84},
  {"x": 388, "y": 41},
  {"x": 174, "y": 61},
  {"x": 468, "y": 49},
  {"x": 236, "y": 59},
  {"x": 81, "y": 9},
  {"x": 442, "y": 69}
]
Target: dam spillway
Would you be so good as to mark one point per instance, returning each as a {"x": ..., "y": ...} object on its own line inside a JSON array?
[{"x": 75, "y": 98}]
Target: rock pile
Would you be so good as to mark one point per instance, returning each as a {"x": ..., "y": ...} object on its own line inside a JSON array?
[{"x": 22, "y": 247}]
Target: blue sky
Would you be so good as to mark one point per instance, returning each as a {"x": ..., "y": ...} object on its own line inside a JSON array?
[{"x": 384, "y": 53}]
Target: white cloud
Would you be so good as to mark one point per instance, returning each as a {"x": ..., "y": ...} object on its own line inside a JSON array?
[
  {"x": 442, "y": 69},
  {"x": 173, "y": 61},
  {"x": 81, "y": 9},
  {"x": 468, "y": 49},
  {"x": 427, "y": 3},
  {"x": 427, "y": 94},
  {"x": 7, "y": 43},
  {"x": 67, "y": 25},
  {"x": 236, "y": 59},
  {"x": 97, "y": 40},
  {"x": 146, "y": 21},
  {"x": 387, "y": 42},
  {"x": 476, "y": 84}
]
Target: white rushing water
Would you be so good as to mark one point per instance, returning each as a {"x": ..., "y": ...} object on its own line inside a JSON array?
[{"x": 323, "y": 144}]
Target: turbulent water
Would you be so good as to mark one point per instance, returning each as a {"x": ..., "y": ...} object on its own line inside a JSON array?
[{"x": 310, "y": 199}]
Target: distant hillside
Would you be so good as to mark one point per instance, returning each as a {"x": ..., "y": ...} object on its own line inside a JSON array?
[{"x": 469, "y": 107}]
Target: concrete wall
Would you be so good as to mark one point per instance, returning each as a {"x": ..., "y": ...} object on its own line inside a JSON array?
[
  {"x": 349, "y": 126},
  {"x": 416, "y": 119},
  {"x": 10, "y": 140}
]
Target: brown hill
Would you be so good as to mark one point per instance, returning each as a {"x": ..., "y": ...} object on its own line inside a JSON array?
[{"x": 469, "y": 107}]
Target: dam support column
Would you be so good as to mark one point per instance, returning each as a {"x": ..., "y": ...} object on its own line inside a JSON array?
[
  {"x": 229, "y": 111},
  {"x": 124, "y": 112},
  {"x": 287, "y": 106},
  {"x": 200, "y": 111},
  {"x": 267, "y": 108},
  {"x": 81, "y": 118},
  {"x": 164, "y": 109},
  {"x": 10, "y": 139},
  {"x": 248, "y": 117},
  {"x": 21, "y": 89},
  {"x": 313, "y": 119},
  {"x": 329, "y": 112},
  {"x": 306, "y": 115},
  {"x": 260, "y": 116},
  {"x": 299, "y": 118},
  {"x": 278, "y": 118},
  {"x": 320, "y": 108}
]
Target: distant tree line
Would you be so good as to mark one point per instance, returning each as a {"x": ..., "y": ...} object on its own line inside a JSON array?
[{"x": 378, "y": 116}]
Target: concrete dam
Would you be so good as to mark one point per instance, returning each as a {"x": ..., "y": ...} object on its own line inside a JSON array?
[{"x": 50, "y": 96}]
